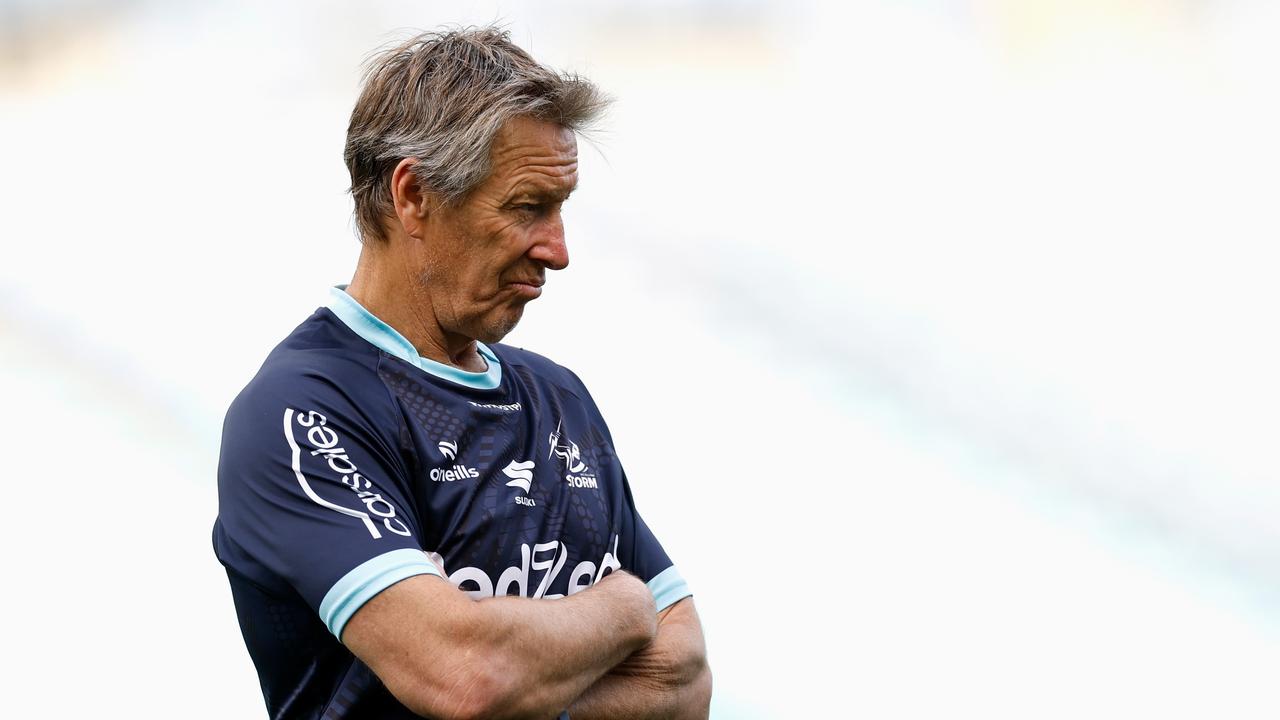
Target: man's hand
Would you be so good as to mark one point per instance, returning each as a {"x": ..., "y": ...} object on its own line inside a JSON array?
[
  {"x": 447, "y": 656},
  {"x": 667, "y": 678}
]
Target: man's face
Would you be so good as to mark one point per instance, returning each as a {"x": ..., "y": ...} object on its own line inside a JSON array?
[{"x": 487, "y": 256}]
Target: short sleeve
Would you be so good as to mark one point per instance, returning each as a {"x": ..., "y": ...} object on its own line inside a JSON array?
[
  {"x": 649, "y": 561},
  {"x": 313, "y": 493}
]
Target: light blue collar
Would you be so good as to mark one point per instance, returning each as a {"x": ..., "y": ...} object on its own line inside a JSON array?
[{"x": 385, "y": 338}]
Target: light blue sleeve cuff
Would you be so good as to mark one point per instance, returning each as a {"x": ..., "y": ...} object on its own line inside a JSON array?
[
  {"x": 668, "y": 587},
  {"x": 368, "y": 579}
]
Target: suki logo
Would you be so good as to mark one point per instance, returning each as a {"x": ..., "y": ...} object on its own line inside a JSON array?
[{"x": 521, "y": 474}]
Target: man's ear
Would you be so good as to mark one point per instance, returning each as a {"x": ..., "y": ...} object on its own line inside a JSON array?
[{"x": 411, "y": 203}]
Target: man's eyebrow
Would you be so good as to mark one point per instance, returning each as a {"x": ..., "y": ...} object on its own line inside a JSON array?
[{"x": 543, "y": 193}]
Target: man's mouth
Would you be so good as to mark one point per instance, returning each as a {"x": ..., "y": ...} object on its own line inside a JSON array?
[{"x": 527, "y": 287}]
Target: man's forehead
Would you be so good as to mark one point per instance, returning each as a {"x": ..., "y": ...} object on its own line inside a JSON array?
[
  {"x": 524, "y": 139},
  {"x": 535, "y": 157}
]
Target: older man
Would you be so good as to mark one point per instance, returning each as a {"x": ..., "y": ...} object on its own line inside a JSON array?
[{"x": 414, "y": 518}]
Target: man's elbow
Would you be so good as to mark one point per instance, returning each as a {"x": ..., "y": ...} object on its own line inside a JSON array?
[
  {"x": 693, "y": 687},
  {"x": 691, "y": 675},
  {"x": 692, "y": 668},
  {"x": 700, "y": 692},
  {"x": 468, "y": 691},
  {"x": 683, "y": 675},
  {"x": 485, "y": 688}
]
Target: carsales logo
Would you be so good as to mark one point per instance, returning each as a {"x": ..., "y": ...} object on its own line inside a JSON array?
[{"x": 328, "y": 445}]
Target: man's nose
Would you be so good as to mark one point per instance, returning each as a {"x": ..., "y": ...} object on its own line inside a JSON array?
[{"x": 550, "y": 250}]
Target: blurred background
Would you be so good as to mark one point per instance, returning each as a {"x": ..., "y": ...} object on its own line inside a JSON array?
[{"x": 938, "y": 337}]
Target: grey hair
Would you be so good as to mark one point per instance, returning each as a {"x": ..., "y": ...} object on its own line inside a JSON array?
[{"x": 441, "y": 98}]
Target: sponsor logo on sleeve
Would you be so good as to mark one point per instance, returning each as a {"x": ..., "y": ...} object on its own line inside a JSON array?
[{"x": 328, "y": 445}]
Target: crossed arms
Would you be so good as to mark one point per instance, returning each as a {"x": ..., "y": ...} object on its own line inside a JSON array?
[{"x": 601, "y": 653}]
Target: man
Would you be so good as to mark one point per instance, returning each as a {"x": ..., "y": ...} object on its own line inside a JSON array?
[{"x": 414, "y": 518}]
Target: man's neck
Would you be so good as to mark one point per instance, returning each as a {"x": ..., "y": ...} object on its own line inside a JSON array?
[{"x": 395, "y": 297}]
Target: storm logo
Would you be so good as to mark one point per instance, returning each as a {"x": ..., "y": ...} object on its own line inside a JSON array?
[{"x": 568, "y": 452}]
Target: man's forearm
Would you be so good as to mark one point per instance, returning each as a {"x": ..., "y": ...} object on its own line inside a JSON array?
[
  {"x": 667, "y": 679},
  {"x": 556, "y": 649},
  {"x": 623, "y": 695},
  {"x": 445, "y": 655}
]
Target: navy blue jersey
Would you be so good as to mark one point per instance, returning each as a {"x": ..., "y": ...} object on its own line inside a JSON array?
[{"x": 350, "y": 463}]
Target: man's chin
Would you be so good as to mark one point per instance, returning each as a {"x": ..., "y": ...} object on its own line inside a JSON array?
[{"x": 496, "y": 328}]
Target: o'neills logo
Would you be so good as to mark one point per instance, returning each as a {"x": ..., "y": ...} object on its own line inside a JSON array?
[
  {"x": 457, "y": 472},
  {"x": 328, "y": 445},
  {"x": 449, "y": 449}
]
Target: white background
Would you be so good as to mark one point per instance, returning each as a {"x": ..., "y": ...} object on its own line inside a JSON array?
[{"x": 938, "y": 338}]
